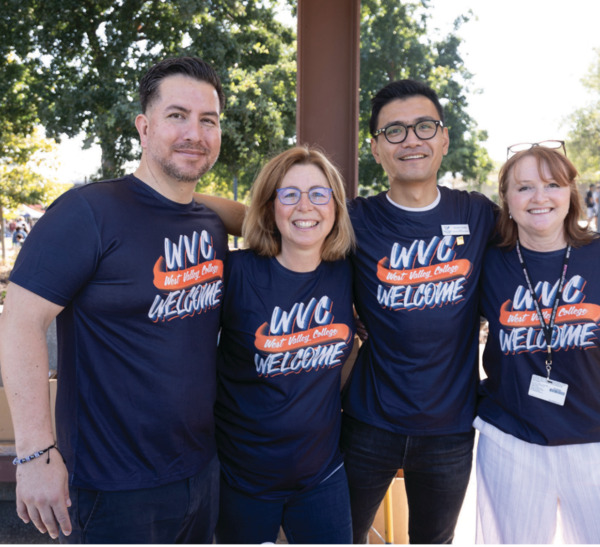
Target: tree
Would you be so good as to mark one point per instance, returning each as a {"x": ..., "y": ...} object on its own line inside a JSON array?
[
  {"x": 83, "y": 58},
  {"x": 395, "y": 45},
  {"x": 584, "y": 135},
  {"x": 88, "y": 55},
  {"x": 21, "y": 179},
  {"x": 259, "y": 121},
  {"x": 22, "y": 147},
  {"x": 17, "y": 112}
]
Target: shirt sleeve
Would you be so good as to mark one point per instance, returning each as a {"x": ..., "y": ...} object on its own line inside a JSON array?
[{"x": 62, "y": 251}]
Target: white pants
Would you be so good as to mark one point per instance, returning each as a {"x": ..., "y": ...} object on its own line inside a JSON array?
[{"x": 521, "y": 487}]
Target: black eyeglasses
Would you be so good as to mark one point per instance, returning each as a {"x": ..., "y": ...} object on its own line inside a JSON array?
[
  {"x": 395, "y": 133},
  {"x": 318, "y": 195},
  {"x": 522, "y": 146}
]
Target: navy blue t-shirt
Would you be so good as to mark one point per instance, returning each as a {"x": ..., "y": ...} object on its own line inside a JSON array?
[
  {"x": 415, "y": 289},
  {"x": 516, "y": 347},
  {"x": 285, "y": 336},
  {"x": 141, "y": 280}
]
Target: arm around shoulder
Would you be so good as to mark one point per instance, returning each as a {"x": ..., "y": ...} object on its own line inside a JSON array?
[{"x": 231, "y": 212}]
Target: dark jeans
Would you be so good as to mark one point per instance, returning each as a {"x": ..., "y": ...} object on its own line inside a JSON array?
[
  {"x": 436, "y": 475},
  {"x": 180, "y": 512},
  {"x": 317, "y": 515}
]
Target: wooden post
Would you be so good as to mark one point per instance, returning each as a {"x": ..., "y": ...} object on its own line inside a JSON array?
[{"x": 328, "y": 81}]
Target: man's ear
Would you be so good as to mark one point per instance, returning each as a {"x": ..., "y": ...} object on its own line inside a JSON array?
[
  {"x": 446, "y": 137},
  {"x": 141, "y": 124},
  {"x": 374, "y": 150}
]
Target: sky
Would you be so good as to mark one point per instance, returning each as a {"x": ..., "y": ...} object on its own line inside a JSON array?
[{"x": 527, "y": 58}]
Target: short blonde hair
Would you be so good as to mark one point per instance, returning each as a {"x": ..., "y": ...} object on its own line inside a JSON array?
[
  {"x": 260, "y": 231},
  {"x": 565, "y": 174}
]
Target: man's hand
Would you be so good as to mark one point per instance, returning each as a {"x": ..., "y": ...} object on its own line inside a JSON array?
[
  {"x": 42, "y": 488},
  {"x": 43, "y": 494},
  {"x": 361, "y": 330}
]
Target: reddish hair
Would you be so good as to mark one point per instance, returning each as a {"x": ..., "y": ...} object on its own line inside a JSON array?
[{"x": 565, "y": 174}]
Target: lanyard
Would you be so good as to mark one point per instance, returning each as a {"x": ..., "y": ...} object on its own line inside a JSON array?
[{"x": 547, "y": 328}]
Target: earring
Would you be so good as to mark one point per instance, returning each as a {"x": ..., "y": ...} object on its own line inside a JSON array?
[{"x": 510, "y": 216}]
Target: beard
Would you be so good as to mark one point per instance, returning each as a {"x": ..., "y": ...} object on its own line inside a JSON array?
[{"x": 192, "y": 174}]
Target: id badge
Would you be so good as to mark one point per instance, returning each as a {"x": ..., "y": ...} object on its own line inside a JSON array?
[
  {"x": 548, "y": 390},
  {"x": 455, "y": 230}
]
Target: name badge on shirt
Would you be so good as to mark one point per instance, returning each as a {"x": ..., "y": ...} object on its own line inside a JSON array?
[
  {"x": 548, "y": 390},
  {"x": 455, "y": 229}
]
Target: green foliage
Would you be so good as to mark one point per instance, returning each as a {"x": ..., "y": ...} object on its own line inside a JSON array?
[
  {"x": 18, "y": 114},
  {"x": 259, "y": 121},
  {"x": 583, "y": 144},
  {"x": 75, "y": 64},
  {"x": 395, "y": 45},
  {"x": 22, "y": 147},
  {"x": 21, "y": 180},
  {"x": 88, "y": 55}
]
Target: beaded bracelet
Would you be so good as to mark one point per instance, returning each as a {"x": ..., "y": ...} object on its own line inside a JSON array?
[{"x": 21, "y": 461}]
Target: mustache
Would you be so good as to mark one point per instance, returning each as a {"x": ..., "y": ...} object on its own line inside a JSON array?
[
  {"x": 192, "y": 148},
  {"x": 411, "y": 153}
]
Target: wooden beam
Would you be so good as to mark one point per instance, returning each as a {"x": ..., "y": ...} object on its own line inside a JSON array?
[{"x": 328, "y": 81}]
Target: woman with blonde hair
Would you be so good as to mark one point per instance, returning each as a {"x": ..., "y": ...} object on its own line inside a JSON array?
[
  {"x": 287, "y": 328},
  {"x": 539, "y": 414}
]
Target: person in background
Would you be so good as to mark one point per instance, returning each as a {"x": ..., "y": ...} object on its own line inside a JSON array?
[
  {"x": 23, "y": 225},
  {"x": 19, "y": 236},
  {"x": 597, "y": 206},
  {"x": 410, "y": 400},
  {"x": 590, "y": 203},
  {"x": 20, "y": 229},
  {"x": 539, "y": 416},
  {"x": 133, "y": 271},
  {"x": 287, "y": 329}
]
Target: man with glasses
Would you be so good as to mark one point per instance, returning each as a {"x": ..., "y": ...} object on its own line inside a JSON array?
[{"x": 410, "y": 400}]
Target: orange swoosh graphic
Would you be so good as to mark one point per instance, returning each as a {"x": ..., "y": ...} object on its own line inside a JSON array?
[
  {"x": 569, "y": 313},
  {"x": 423, "y": 274},
  {"x": 327, "y": 334},
  {"x": 181, "y": 279}
]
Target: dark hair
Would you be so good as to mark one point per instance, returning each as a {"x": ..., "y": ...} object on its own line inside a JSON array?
[
  {"x": 194, "y": 67},
  {"x": 401, "y": 89},
  {"x": 564, "y": 173}
]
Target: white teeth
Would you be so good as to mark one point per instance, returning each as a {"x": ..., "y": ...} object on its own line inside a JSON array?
[
  {"x": 413, "y": 157},
  {"x": 305, "y": 223},
  {"x": 539, "y": 211}
]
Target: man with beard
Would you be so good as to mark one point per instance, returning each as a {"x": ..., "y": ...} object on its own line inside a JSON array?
[{"x": 132, "y": 270}]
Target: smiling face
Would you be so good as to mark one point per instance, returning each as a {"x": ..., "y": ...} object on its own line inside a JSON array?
[
  {"x": 413, "y": 161},
  {"x": 180, "y": 131},
  {"x": 538, "y": 205},
  {"x": 303, "y": 226}
]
